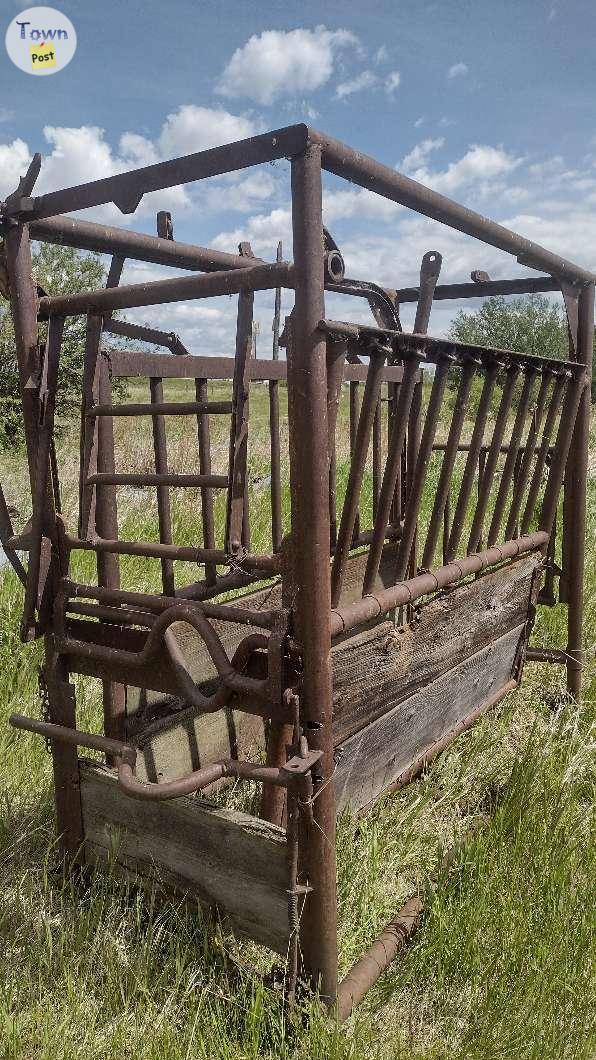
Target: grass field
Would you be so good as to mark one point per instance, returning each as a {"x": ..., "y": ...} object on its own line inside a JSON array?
[{"x": 503, "y": 966}]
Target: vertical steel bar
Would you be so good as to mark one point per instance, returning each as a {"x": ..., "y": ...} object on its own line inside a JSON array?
[
  {"x": 41, "y": 515},
  {"x": 354, "y": 405},
  {"x": 65, "y": 762},
  {"x": 277, "y": 309},
  {"x": 560, "y": 455},
  {"x": 377, "y": 441},
  {"x": 446, "y": 475},
  {"x": 472, "y": 460},
  {"x": 335, "y": 359},
  {"x": 512, "y": 455},
  {"x": 204, "y": 444},
  {"x": 576, "y": 479},
  {"x": 309, "y": 482},
  {"x": 236, "y": 521},
  {"x": 106, "y": 524},
  {"x": 433, "y": 413},
  {"x": 554, "y": 408},
  {"x": 164, "y": 514},
  {"x": 276, "y": 520},
  {"x": 492, "y": 457},
  {"x": 349, "y": 515},
  {"x": 527, "y": 456},
  {"x": 394, "y": 453}
]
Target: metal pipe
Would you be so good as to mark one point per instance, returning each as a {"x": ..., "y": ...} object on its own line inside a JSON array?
[
  {"x": 104, "y": 478},
  {"x": 407, "y": 592},
  {"x": 204, "y": 446},
  {"x": 156, "y": 550},
  {"x": 309, "y": 483},
  {"x": 394, "y": 452},
  {"x": 511, "y": 458},
  {"x": 446, "y": 474},
  {"x": 547, "y": 655},
  {"x": 164, "y": 512},
  {"x": 422, "y": 461},
  {"x": 177, "y": 289},
  {"x": 349, "y": 515},
  {"x": 485, "y": 289},
  {"x": 162, "y": 408},
  {"x": 364, "y": 171},
  {"x": 367, "y": 969}
]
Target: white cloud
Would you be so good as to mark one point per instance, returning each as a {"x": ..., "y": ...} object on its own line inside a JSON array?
[
  {"x": 418, "y": 156},
  {"x": 419, "y": 122},
  {"x": 457, "y": 70},
  {"x": 392, "y": 83},
  {"x": 192, "y": 128},
  {"x": 277, "y": 63},
  {"x": 381, "y": 55},
  {"x": 481, "y": 164},
  {"x": 81, "y": 154},
  {"x": 362, "y": 81}
]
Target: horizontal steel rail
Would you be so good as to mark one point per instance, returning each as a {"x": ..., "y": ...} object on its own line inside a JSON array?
[
  {"x": 163, "y": 408},
  {"x": 176, "y": 289},
  {"x": 407, "y": 592},
  {"x": 105, "y": 478}
]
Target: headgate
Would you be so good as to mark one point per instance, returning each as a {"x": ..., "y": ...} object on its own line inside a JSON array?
[{"x": 387, "y": 605}]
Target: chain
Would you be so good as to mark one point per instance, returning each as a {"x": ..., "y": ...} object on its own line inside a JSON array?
[{"x": 44, "y": 698}]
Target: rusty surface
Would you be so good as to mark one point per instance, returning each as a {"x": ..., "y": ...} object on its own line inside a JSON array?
[{"x": 318, "y": 587}]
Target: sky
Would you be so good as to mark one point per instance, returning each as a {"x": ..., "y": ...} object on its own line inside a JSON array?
[{"x": 492, "y": 104}]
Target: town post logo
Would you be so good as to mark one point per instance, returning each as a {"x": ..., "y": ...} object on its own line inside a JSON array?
[{"x": 41, "y": 40}]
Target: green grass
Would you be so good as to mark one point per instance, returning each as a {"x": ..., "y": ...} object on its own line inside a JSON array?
[{"x": 503, "y": 965}]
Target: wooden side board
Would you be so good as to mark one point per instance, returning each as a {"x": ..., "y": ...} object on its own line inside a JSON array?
[
  {"x": 372, "y": 759},
  {"x": 227, "y": 860},
  {"x": 376, "y": 669}
]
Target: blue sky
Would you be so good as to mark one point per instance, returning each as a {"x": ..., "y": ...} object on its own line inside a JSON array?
[{"x": 492, "y": 104}]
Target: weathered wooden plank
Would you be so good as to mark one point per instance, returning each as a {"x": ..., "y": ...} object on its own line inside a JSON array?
[
  {"x": 227, "y": 860},
  {"x": 376, "y": 669},
  {"x": 377, "y": 755}
]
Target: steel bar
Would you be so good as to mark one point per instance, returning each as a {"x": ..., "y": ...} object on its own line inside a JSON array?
[
  {"x": 392, "y": 465},
  {"x": 309, "y": 483},
  {"x": 336, "y": 362},
  {"x": 377, "y": 443},
  {"x": 367, "y": 969},
  {"x": 423, "y": 459},
  {"x": 106, "y": 525},
  {"x": 528, "y": 450},
  {"x": 359, "y": 169},
  {"x": 162, "y": 408},
  {"x": 187, "y": 553},
  {"x": 158, "y": 479},
  {"x": 556, "y": 401},
  {"x": 127, "y": 189},
  {"x": 432, "y": 347},
  {"x": 407, "y": 592},
  {"x": 33, "y": 588},
  {"x": 164, "y": 512},
  {"x": 514, "y": 444},
  {"x": 23, "y": 307},
  {"x": 486, "y": 289},
  {"x": 204, "y": 446},
  {"x": 445, "y": 478},
  {"x": 177, "y": 289},
  {"x": 230, "y": 612},
  {"x": 168, "y": 339},
  {"x": 547, "y": 655},
  {"x": 275, "y": 461},
  {"x": 354, "y": 392},
  {"x": 492, "y": 456},
  {"x": 237, "y": 499},
  {"x": 349, "y": 516},
  {"x": 576, "y": 484},
  {"x": 132, "y": 363},
  {"x": 560, "y": 455},
  {"x": 107, "y": 239},
  {"x": 277, "y": 308},
  {"x": 472, "y": 460}
]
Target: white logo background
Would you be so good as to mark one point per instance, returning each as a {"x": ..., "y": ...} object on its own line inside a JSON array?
[{"x": 41, "y": 41}]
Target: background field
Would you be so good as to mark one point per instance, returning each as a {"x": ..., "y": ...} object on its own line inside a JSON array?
[{"x": 504, "y": 965}]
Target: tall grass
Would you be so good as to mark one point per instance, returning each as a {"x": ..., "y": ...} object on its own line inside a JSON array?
[{"x": 503, "y": 965}]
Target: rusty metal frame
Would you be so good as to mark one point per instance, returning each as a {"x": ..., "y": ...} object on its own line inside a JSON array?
[{"x": 113, "y": 634}]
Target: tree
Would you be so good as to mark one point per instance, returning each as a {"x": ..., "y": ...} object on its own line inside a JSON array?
[
  {"x": 59, "y": 270},
  {"x": 529, "y": 324}
]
